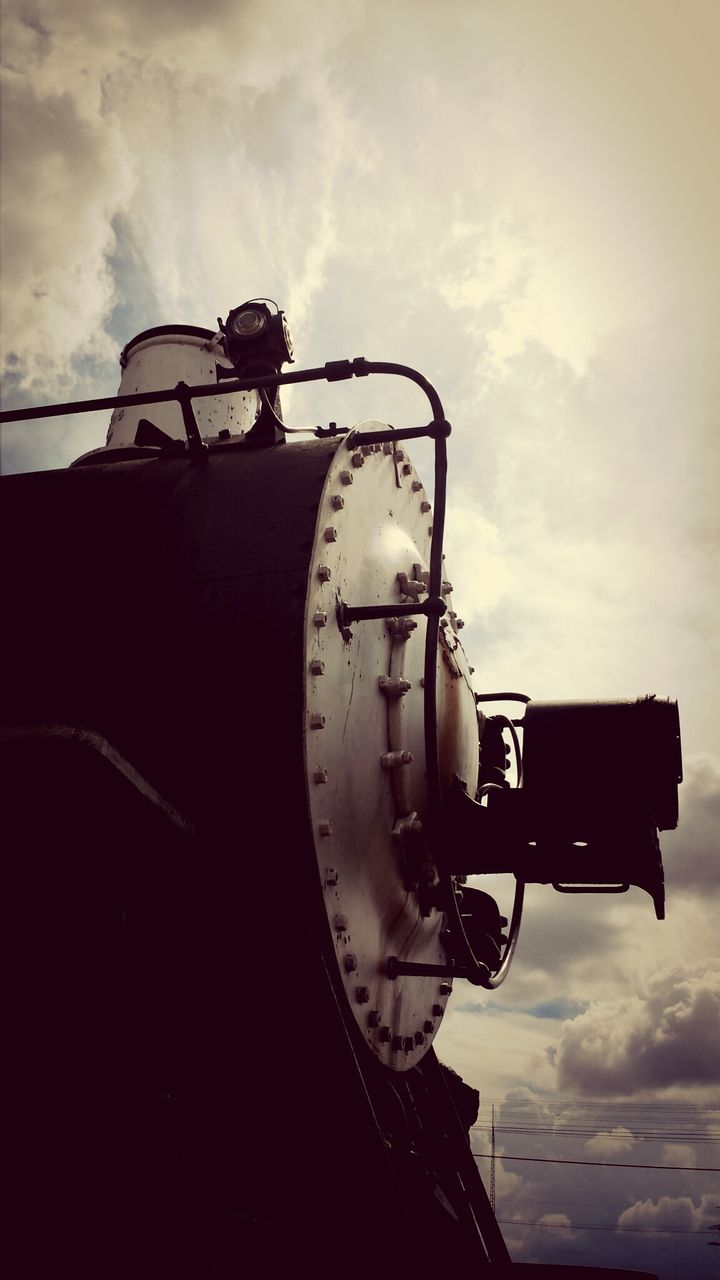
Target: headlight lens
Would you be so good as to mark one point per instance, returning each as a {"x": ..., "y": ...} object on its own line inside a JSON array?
[{"x": 249, "y": 324}]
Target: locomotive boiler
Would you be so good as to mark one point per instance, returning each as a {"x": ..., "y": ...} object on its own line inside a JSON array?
[{"x": 246, "y": 778}]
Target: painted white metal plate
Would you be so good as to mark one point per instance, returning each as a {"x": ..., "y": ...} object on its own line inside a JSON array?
[{"x": 364, "y": 739}]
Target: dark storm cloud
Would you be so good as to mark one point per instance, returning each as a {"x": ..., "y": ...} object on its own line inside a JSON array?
[{"x": 666, "y": 1037}]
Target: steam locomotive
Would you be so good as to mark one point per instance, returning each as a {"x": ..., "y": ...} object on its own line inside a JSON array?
[{"x": 246, "y": 777}]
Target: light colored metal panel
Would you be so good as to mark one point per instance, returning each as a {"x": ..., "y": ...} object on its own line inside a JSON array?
[
  {"x": 365, "y": 751},
  {"x": 160, "y": 362}
]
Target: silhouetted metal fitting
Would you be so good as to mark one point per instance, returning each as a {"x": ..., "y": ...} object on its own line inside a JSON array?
[
  {"x": 445, "y": 988},
  {"x": 392, "y": 759},
  {"x": 437, "y": 1011},
  {"x": 420, "y": 1037},
  {"x": 331, "y": 875},
  {"x": 320, "y": 619},
  {"x": 407, "y": 828},
  {"x": 317, "y": 720},
  {"x": 416, "y": 486},
  {"x": 324, "y": 572},
  {"x": 362, "y": 994},
  {"x": 374, "y": 1018},
  {"x": 411, "y": 586},
  {"x": 350, "y": 962},
  {"x": 317, "y": 667},
  {"x": 340, "y": 922},
  {"x": 320, "y": 775},
  {"x": 396, "y": 1043},
  {"x": 425, "y": 506},
  {"x": 325, "y": 827},
  {"x": 358, "y": 460},
  {"x": 338, "y": 502},
  {"x": 447, "y": 587},
  {"x": 346, "y": 477},
  {"x": 330, "y": 534},
  {"x": 385, "y": 1035},
  {"x": 428, "y": 1027},
  {"x": 394, "y": 687}
]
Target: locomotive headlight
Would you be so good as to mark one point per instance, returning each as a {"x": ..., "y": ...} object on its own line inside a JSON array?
[{"x": 257, "y": 340}]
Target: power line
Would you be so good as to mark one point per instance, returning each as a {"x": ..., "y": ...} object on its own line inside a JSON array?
[
  {"x": 582, "y": 1226},
  {"x": 601, "y": 1164}
]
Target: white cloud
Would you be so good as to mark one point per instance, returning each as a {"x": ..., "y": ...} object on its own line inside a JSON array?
[{"x": 617, "y": 1142}]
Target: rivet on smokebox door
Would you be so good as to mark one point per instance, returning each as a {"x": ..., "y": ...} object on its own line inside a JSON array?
[
  {"x": 325, "y": 827},
  {"x": 407, "y": 469},
  {"x": 346, "y": 477},
  {"x": 317, "y": 667},
  {"x": 317, "y": 720},
  {"x": 362, "y": 995},
  {"x": 338, "y": 502},
  {"x": 330, "y": 534},
  {"x": 324, "y": 573},
  {"x": 320, "y": 775},
  {"x": 320, "y": 619},
  {"x": 374, "y": 1017},
  {"x": 350, "y": 963},
  {"x": 358, "y": 460}
]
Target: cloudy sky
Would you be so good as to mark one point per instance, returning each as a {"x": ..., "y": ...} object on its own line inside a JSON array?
[{"x": 520, "y": 198}]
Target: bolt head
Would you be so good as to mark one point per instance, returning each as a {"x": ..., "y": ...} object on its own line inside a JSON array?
[
  {"x": 320, "y": 775},
  {"x": 358, "y": 460},
  {"x": 428, "y": 1027},
  {"x": 425, "y": 506},
  {"x": 385, "y": 1035},
  {"x": 331, "y": 875},
  {"x": 324, "y": 572},
  {"x": 408, "y": 1044},
  {"x": 320, "y": 619},
  {"x": 340, "y": 921},
  {"x": 330, "y": 534},
  {"x": 350, "y": 963},
  {"x": 420, "y": 1037},
  {"x": 317, "y": 667},
  {"x": 438, "y": 1011},
  {"x": 374, "y": 1018},
  {"x": 396, "y": 1043},
  {"x": 338, "y": 502},
  {"x": 325, "y": 827},
  {"x": 445, "y": 988},
  {"x": 407, "y": 469},
  {"x": 416, "y": 486},
  {"x": 317, "y": 720},
  {"x": 387, "y": 446},
  {"x": 362, "y": 994},
  {"x": 346, "y": 477}
]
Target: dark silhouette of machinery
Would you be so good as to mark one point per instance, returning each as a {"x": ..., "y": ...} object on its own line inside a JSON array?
[{"x": 242, "y": 797}]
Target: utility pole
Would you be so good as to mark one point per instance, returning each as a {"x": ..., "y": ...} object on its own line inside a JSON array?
[{"x": 492, "y": 1160}]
